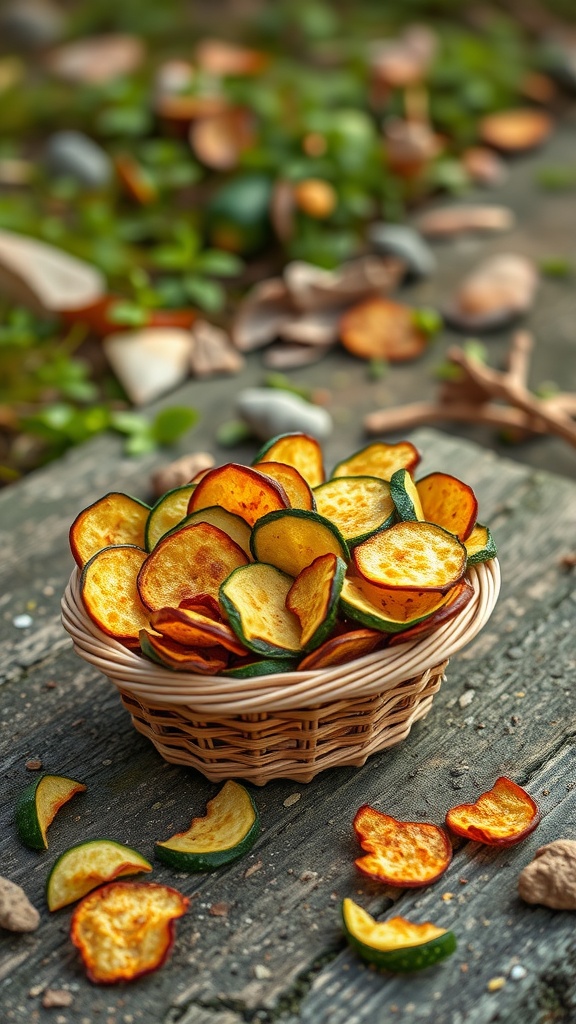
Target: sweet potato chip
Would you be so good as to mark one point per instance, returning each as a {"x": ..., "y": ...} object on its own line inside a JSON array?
[
  {"x": 298, "y": 450},
  {"x": 449, "y": 503},
  {"x": 299, "y": 493},
  {"x": 108, "y": 586},
  {"x": 515, "y": 131},
  {"x": 170, "y": 654},
  {"x": 204, "y": 604},
  {"x": 313, "y": 597},
  {"x": 114, "y": 519},
  {"x": 411, "y": 556},
  {"x": 194, "y": 560},
  {"x": 358, "y": 505},
  {"x": 192, "y": 629},
  {"x": 501, "y": 816},
  {"x": 378, "y": 328},
  {"x": 241, "y": 490},
  {"x": 126, "y": 929},
  {"x": 405, "y": 853},
  {"x": 342, "y": 648},
  {"x": 379, "y": 459}
]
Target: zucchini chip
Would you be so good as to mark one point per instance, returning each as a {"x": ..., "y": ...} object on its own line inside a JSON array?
[
  {"x": 81, "y": 868},
  {"x": 412, "y": 555},
  {"x": 192, "y": 629},
  {"x": 342, "y": 648},
  {"x": 194, "y": 560},
  {"x": 112, "y": 520},
  {"x": 228, "y": 830},
  {"x": 254, "y": 599},
  {"x": 405, "y": 497},
  {"x": 298, "y": 450},
  {"x": 126, "y": 929},
  {"x": 449, "y": 503},
  {"x": 379, "y": 459},
  {"x": 207, "y": 661},
  {"x": 39, "y": 804},
  {"x": 358, "y": 505},
  {"x": 241, "y": 490},
  {"x": 299, "y": 492},
  {"x": 108, "y": 586},
  {"x": 502, "y": 816},
  {"x": 168, "y": 511},
  {"x": 313, "y": 597},
  {"x": 263, "y": 667},
  {"x": 236, "y": 527},
  {"x": 386, "y": 610},
  {"x": 293, "y": 538},
  {"x": 480, "y": 545},
  {"x": 405, "y": 853},
  {"x": 395, "y": 945}
]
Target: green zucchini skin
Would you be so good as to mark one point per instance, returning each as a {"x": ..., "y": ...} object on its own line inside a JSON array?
[
  {"x": 326, "y": 627},
  {"x": 265, "y": 667},
  {"x": 488, "y": 551},
  {"x": 210, "y": 860},
  {"x": 407, "y": 959},
  {"x": 27, "y": 818},
  {"x": 167, "y": 498},
  {"x": 402, "y": 500}
]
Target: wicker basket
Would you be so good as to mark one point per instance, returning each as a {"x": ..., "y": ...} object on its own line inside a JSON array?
[{"x": 290, "y": 725}]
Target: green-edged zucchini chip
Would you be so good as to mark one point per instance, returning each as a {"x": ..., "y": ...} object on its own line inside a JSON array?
[
  {"x": 298, "y": 450},
  {"x": 480, "y": 545},
  {"x": 293, "y": 538},
  {"x": 313, "y": 597},
  {"x": 254, "y": 599},
  {"x": 168, "y": 511},
  {"x": 228, "y": 830},
  {"x": 379, "y": 459},
  {"x": 411, "y": 555},
  {"x": 373, "y": 607},
  {"x": 405, "y": 497},
  {"x": 395, "y": 945},
  {"x": 358, "y": 505},
  {"x": 236, "y": 527}
]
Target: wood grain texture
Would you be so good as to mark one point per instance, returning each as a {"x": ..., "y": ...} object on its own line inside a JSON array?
[{"x": 280, "y": 935}]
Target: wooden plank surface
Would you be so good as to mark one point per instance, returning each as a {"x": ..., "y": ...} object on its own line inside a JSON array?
[{"x": 279, "y": 951}]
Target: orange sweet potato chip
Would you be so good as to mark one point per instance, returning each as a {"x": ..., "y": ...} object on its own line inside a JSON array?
[
  {"x": 110, "y": 595},
  {"x": 405, "y": 853},
  {"x": 192, "y": 629},
  {"x": 241, "y": 490},
  {"x": 298, "y": 491},
  {"x": 378, "y": 328},
  {"x": 114, "y": 519},
  {"x": 126, "y": 929},
  {"x": 206, "y": 660},
  {"x": 501, "y": 816},
  {"x": 194, "y": 560},
  {"x": 448, "y": 502},
  {"x": 342, "y": 648}
]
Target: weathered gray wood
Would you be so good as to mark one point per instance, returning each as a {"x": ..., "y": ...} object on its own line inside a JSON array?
[{"x": 284, "y": 916}]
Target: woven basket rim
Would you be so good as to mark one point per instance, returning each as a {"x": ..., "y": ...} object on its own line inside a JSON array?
[{"x": 282, "y": 691}]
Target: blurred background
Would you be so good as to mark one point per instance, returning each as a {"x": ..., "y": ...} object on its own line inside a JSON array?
[{"x": 251, "y": 176}]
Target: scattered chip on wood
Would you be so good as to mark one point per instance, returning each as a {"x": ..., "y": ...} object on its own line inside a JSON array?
[
  {"x": 501, "y": 816},
  {"x": 381, "y": 329},
  {"x": 515, "y": 131},
  {"x": 405, "y": 853}
]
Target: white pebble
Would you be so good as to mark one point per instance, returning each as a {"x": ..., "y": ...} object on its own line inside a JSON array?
[
  {"x": 466, "y": 698},
  {"x": 22, "y": 621},
  {"x": 261, "y": 972},
  {"x": 518, "y": 972}
]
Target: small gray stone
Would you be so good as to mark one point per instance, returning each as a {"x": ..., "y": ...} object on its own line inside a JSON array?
[
  {"x": 75, "y": 155},
  {"x": 406, "y": 243},
  {"x": 31, "y": 24},
  {"x": 16, "y": 912},
  {"x": 269, "y": 411}
]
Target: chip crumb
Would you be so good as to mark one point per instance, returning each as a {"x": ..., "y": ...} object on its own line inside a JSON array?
[
  {"x": 308, "y": 876},
  {"x": 520, "y": 693},
  {"x": 545, "y": 792},
  {"x": 54, "y": 997},
  {"x": 466, "y": 698},
  {"x": 447, "y": 896},
  {"x": 36, "y": 990},
  {"x": 50, "y": 684},
  {"x": 219, "y": 909},
  {"x": 261, "y": 972},
  {"x": 496, "y": 983},
  {"x": 292, "y": 799},
  {"x": 463, "y": 881},
  {"x": 253, "y": 869},
  {"x": 34, "y": 764},
  {"x": 464, "y": 968}
]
